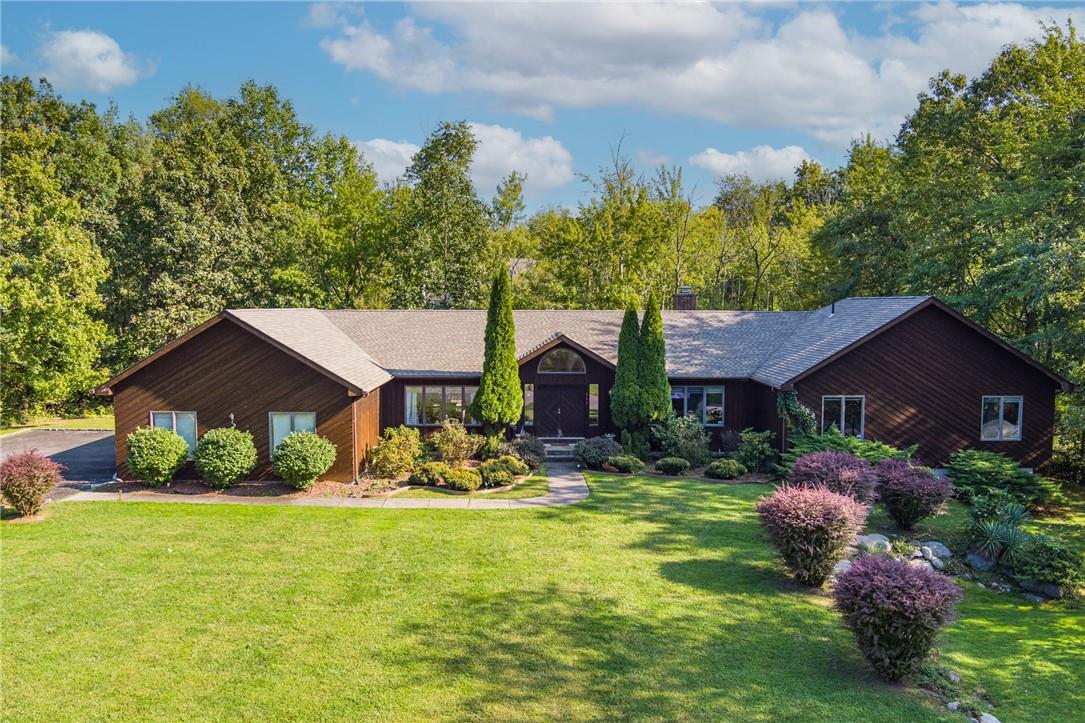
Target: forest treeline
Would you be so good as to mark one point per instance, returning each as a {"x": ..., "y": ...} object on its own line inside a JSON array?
[{"x": 120, "y": 234}]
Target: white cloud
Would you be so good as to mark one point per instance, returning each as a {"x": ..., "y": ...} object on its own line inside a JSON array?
[
  {"x": 389, "y": 158},
  {"x": 545, "y": 161},
  {"x": 88, "y": 59},
  {"x": 761, "y": 163},
  {"x": 6, "y": 56},
  {"x": 725, "y": 63}
]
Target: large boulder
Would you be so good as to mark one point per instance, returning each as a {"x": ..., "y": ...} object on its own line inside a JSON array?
[
  {"x": 980, "y": 562},
  {"x": 938, "y": 549},
  {"x": 875, "y": 543}
]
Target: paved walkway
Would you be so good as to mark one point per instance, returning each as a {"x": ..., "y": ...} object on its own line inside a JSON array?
[{"x": 567, "y": 487}]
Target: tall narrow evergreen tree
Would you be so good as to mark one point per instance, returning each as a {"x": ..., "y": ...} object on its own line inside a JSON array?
[
  {"x": 500, "y": 398},
  {"x": 655, "y": 390},
  {"x": 625, "y": 394}
]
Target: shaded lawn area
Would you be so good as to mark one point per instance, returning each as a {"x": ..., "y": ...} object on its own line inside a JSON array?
[{"x": 653, "y": 599}]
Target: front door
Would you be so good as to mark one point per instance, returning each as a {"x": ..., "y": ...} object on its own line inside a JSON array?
[{"x": 561, "y": 410}]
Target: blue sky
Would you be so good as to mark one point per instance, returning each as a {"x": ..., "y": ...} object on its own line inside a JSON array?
[{"x": 552, "y": 88}]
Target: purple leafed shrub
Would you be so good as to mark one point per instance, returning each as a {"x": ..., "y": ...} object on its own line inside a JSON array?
[
  {"x": 25, "y": 478},
  {"x": 840, "y": 472},
  {"x": 812, "y": 528},
  {"x": 895, "y": 611},
  {"x": 910, "y": 493}
]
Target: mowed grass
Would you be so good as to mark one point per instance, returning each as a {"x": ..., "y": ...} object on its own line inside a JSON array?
[
  {"x": 654, "y": 599},
  {"x": 94, "y": 421}
]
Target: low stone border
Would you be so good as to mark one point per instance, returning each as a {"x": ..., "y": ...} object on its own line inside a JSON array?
[{"x": 567, "y": 487}]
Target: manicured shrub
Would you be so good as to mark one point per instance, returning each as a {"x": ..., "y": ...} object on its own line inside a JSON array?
[
  {"x": 910, "y": 493},
  {"x": 26, "y": 478},
  {"x": 672, "y": 465},
  {"x": 396, "y": 455},
  {"x": 155, "y": 454},
  {"x": 528, "y": 449},
  {"x": 302, "y": 457},
  {"x": 994, "y": 529},
  {"x": 501, "y": 471},
  {"x": 225, "y": 455},
  {"x": 1046, "y": 558},
  {"x": 594, "y": 451},
  {"x": 683, "y": 437},
  {"x": 490, "y": 447},
  {"x": 811, "y": 527},
  {"x": 833, "y": 440},
  {"x": 628, "y": 463},
  {"x": 429, "y": 474},
  {"x": 454, "y": 443},
  {"x": 840, "y": 472},
  {"x": 978, "y": 472},
  {"x": 755, "y": 451},
  {"x": 895, "y": 611},
  {"x": 467, "y": 480},
  {"x": 725, "y": 469}
]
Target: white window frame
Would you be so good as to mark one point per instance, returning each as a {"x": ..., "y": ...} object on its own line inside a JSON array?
[
  {"x": 271, "y": 429},
  {"x": 1002, "y": 399},
  {"x": 703, "y": 416},
  {"x": 173, "y": 417},
  {"x": 843, "y": 403}
]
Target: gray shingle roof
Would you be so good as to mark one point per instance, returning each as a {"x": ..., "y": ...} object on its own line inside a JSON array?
[{"x": 366, "y": 348}]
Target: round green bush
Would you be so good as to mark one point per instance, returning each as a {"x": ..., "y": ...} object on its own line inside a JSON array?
[
  {"x": 225, "y": 455},
  {"x": 467, "y": 480},
  {"x": 725, "y": 469},
  {"x": 155, "y": 454},
  {"x": 497, "y": 477},
  {"x": 593, "y": 452},
  {"x": 302, "y": 457},
  {"x": 429, "y": 474},
  {"x": 672, "y": 465},
  {"x": 396, "y": 455},
  {"x": 501, "y": 471},
  {"x": 527, "y": 449},
  {"x": 626, "y": 463}
]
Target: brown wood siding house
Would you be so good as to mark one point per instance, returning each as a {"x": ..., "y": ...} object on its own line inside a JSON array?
[{"x": 920, "y": 368}]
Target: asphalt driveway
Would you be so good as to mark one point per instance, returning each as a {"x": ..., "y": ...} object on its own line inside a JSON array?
[{"x": 87, "y": 455}]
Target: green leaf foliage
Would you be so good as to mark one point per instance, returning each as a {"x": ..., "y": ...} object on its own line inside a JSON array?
[
  {"x": 302, "y": 457},
  {"x": 155, "y": 454},
  {"x": 499, "y": 401},
  {"x": 625, "y": 392},
  {"x": 225, "y": 455},
  {"x": 655, "y": 390},
  {"x": 832, "y": 439}
]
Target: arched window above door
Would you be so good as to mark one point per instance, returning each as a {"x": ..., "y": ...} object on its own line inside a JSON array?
[{"x": 562, "y": 361}]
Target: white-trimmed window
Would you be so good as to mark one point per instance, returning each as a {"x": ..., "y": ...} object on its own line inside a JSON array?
[
  {"x": 529, "y": 405},
  {"x": 429, "y": 405},
  {"x": 846, "y": 412},
  {"x": 1001, "y": 418},
  {"x": 281, "y": 424},
  {"x": 593, "y": 404},
  {"x": 183, "y": 423},
  {"x": 704, "y": 403}
]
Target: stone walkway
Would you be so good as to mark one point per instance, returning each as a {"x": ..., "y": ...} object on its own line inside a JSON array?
[{"x": 567, "y": 487}]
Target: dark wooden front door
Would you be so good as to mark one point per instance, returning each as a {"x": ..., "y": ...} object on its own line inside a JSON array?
[{"x": 561, "y": 411}]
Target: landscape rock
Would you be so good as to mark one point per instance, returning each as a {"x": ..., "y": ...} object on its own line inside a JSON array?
[
  {"x": 988, "y": 718},
  {"x": 954, "y": 705},
  {"x": 954, "y": 676},
  {"x": 1047, "y": 589},
  {"x": 938, "y": 549},
  {"x": 936, "y": 563},
  {"x": 875, "y": 543},
  {"x": 980, "y": 562},
  {"x": 926, "y": 553},
  {"x": 920, "y": 563},
  {"x": 842, "y": 566},
  {"x": 917, "y": 553},
  {"x": 1034, "y": 598}
]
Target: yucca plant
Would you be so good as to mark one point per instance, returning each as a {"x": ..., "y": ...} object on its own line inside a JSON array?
[{"x": 988, "y": 536}]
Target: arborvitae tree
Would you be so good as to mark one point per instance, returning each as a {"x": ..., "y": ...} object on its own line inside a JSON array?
[
  {"x": 625, "y": 394},
  {"x": 655, "y": 390},
  {"x": 500, "y": 398}
]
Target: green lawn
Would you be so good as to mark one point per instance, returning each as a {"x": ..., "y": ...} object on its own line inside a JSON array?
[
  {"x": 653, "y": 599},
  {"x": 534, "y": 486},
  {"x": 94, "y": 421}
]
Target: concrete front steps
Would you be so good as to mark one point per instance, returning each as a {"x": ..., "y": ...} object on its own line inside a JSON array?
[{"x": 560, "y": 450}]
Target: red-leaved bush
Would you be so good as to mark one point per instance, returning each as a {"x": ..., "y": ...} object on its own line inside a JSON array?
[
  {"x": 895, "y": 611},
  {"x": 25, "y": 478},
  {"x": 840, "y": 472},
  {"x": 812, "y": 528},
  {"x": 910, "y": 493}
]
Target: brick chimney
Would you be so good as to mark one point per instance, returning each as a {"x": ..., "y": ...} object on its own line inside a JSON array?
[{"x": 685, "y": 299}]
